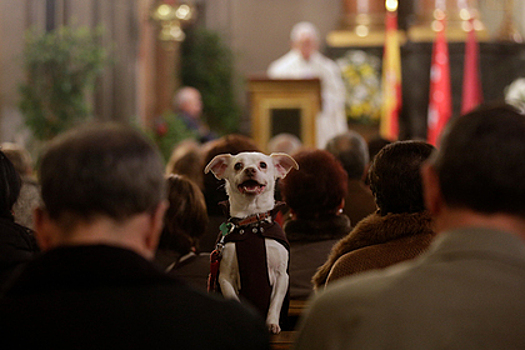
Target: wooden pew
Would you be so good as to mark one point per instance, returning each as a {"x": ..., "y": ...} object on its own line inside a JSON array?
[
  {"x": 285, "y": 339},
  {"x": 296, "y": 308},
  {"x": 282, "y": 341}
]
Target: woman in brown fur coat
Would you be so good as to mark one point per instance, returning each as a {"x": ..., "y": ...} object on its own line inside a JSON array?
[{"x": 401, "y": 228}]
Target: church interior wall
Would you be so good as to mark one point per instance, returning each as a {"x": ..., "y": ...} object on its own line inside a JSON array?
[{"x": 257, "y": 31}]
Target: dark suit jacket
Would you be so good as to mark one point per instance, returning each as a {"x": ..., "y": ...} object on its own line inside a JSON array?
[
  {"x": 311, "y": 241},
  {"x": 359, "y": 201},
  {"x": 17, "y": 246},
  {"x": 99, "y": 297}
]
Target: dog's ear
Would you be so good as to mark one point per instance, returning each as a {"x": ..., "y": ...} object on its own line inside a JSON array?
[
  {"x": 283, "y": 164},
  {"x": 218, "y": 165}
]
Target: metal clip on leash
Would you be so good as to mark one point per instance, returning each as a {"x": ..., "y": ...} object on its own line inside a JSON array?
[{"x": 215, "y": 256}]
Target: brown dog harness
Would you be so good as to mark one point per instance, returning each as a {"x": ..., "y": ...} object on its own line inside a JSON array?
[{"x": 249, "y": 235}]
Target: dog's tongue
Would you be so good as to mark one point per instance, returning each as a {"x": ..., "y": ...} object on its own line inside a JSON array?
[{"x": 251, "y": 187}]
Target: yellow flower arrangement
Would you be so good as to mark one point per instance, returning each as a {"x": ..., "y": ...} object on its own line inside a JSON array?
[{"x": 362, "y": 78}]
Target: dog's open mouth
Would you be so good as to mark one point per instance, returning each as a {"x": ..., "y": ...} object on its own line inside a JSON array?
[{"x": 251, "y": 187}]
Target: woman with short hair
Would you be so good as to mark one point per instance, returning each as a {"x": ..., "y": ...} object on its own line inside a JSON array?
[
  {"x": 400, "y": 230},
  {"x": 315, "y": 195}
]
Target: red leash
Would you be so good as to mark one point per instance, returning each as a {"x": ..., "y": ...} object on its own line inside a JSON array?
[{"x": 215, "y": 258}]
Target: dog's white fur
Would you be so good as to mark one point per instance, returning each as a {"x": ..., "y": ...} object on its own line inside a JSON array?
[{"x": 246, "y": 201}]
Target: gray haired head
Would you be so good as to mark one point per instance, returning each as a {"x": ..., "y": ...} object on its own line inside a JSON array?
[{"x": 304, "y": 29}]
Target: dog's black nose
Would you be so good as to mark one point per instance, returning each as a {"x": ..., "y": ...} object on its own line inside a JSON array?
[{"x": 249, "y": 171}]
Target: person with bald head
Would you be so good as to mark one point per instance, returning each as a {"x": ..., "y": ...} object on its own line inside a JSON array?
[
  {"x": 188, "y": 105},
  {"x": 304, "y": 61}
]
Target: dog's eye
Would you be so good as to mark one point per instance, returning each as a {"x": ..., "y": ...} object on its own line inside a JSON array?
[
  {"x": 237, "y": 166},
  {"x": 263, "y": 165}
]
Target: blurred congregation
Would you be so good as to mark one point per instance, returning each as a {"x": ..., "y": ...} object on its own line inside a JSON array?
[{"x": 402, "y": 216}]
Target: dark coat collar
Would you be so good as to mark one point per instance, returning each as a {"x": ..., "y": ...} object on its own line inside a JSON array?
[{"x": 86, "y": 266}]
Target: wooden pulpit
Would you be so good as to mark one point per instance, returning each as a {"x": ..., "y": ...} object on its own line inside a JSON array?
[{"x": 284, "y": 106}]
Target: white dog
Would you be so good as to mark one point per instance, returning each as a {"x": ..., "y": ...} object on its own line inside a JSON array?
[{"x": 250, "y": 183}]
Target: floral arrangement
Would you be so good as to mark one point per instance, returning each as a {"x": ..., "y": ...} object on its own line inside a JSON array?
[
  {"x": 515, "y": 93},
  {"x": 362, "y": 79}
]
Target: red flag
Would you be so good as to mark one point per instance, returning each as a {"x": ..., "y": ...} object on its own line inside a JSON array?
[
  {"x": 440, "y": 99},
  {"x": 472, "y": 94},
  {"x": 391, "y": 80}
]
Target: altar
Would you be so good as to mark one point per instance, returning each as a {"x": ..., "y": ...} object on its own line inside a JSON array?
[
  {"x": 500, "y": 64},
  {"x": 502, "y": 55}
]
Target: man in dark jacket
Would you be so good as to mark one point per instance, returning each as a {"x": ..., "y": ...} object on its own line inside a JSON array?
[
  {"x": 351, "y": 150},
  {"x": 17, "y": 242},
  {"x": 94, "y": 287}
]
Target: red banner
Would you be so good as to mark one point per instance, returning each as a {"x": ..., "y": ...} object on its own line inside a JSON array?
[
  {"x": 440, "y": 99},
  {"x": 472, "y": 93}
]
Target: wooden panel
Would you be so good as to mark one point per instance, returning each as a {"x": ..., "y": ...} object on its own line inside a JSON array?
[{"x": 267, "y": 94}]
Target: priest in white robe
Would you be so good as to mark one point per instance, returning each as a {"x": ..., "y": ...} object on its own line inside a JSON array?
[{"x": 304, "y": 61}]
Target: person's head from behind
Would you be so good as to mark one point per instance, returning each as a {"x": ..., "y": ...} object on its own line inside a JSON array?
[
  {"x": 284, "y": 143},
  {"x": 186, "y": 219},
  {"x": 187, "y": 159},
  {"x": 19, "y": 156},
  {"x": 305, "y": 38},
  {"x": 395, "y": 178},
  {"x": 188, "y": 100},
  {"x": 376, "y": 144},
  {"x": 318, "y": 188},
  {"x": 480, "y": 165},
  {"x": 351, "y": 150},
  {"x": 10, "y": 184},
  {"x": 101, "y": 183}
]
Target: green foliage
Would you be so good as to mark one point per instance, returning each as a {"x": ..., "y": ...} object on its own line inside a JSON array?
[
  {"x": 60, "y": 66},
  {"x": 168, "y": 132},
  {"x": 207, "y": 65}
]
